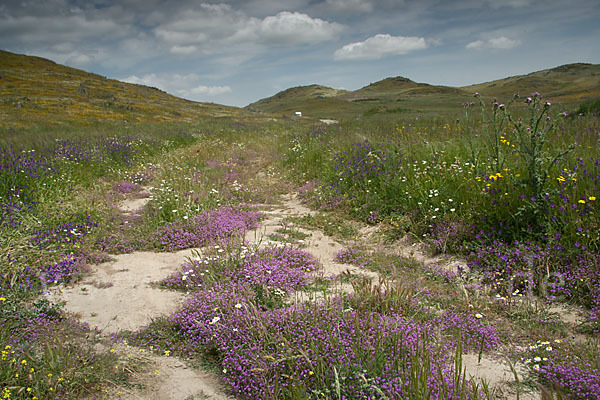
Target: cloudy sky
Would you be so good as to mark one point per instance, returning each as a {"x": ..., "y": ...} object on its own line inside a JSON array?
[{"x": 238, "y": 51}]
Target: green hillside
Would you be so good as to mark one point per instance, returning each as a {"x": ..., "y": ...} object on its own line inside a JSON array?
[
  {"x": 291, "y": 100},
  {"x": 568, "y": 84},
  {"x": 36, "y": 91},
  {"x": 389, "y": 96}
]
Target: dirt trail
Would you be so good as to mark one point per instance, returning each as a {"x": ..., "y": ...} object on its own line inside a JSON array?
[
  {"x": 118, "y": 295},
  {"x": 324, "y": 248},
  {"x": 168, "y": 378}
]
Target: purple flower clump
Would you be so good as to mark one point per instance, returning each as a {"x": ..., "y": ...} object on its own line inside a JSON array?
[
  {"x": 281, "y": 268},
  {"x": 206, "y": 227},
  {"x": 314, "y": 348},
  {"x": 63, "y": 270},
  {"x": 353, "y": 256},
  {"x": 581, "y": 378},
  {"x": 69, "y": 232},
  {"x": 126, "y": 187}
]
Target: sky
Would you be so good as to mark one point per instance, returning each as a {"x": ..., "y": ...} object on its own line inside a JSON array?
[{"x": 235, "y": 52}]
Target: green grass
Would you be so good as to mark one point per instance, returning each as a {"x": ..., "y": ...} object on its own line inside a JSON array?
[
  {"x": 401, "y": 98},
  {"x": 430, "y": 178},
  {"x": 39, "y": 92}
]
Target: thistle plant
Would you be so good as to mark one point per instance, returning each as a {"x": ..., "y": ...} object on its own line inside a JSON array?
[
  {"x": 525, "y": 149},
  {"x": 494, "y": 122},
  {"x": 532, "y": 147},
  {"x": 532, "y": 139}
]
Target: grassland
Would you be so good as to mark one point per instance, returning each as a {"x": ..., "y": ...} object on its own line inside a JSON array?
[
  {"x": 506, "y": 207},
  {"x": 35, "y": 91},
  {"x": 400, "y": 97}
]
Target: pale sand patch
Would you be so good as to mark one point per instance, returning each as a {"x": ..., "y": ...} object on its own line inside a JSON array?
[
  {"x": 497, "y": 374},
  {"x": 322, "y": 247},
  {"x": 118, "y": 294},
  {"x": 135, "y": 202},
  {"x": 329, "y": 121},
  {"x": 129, "y": 206},
  {"x": 168, "y": 378}
]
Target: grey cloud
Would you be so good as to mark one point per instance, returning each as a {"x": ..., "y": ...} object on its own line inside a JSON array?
[
  {"x": 499, "y": 43},
  {"x": 70, "y": 28},
  {"x": 184, "y": 85},
  {"x": 215, "y": 28}
]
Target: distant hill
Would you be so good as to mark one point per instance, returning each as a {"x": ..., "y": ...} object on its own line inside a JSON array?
[
  {"x": 397, "y": 86},
  {"x": 568, "y": 84},
  {"x": 37, "y": 91},
  {"x": 391, "y": 95},
  {"x": 289, "y": 100}
]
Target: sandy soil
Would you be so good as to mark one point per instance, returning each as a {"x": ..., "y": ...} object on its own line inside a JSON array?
[
  {"x": 119, "y": 295},
  {"x": 321, "y": 246},
  {"x": 169, "y": 378}
]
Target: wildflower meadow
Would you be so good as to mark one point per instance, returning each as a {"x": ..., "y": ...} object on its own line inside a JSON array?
[{"x": 504, "y": 197}]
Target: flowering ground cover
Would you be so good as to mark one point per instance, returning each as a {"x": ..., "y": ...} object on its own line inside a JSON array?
[
  {"x": 267, "y": 349},
  {"x": 503, "y": 189},
  {"x": 513, "y": 190},
  {"x": 48, "y": 228}
]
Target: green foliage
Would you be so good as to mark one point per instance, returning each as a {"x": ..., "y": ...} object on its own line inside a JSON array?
[
  {"x": 38, "y": 93},
  {"x": 591, "y": 106}
]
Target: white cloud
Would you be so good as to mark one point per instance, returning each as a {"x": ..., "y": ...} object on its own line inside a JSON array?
[
  {"x": 477, "y": 44},
  {"x": 296, "y": 28},
  {"x": 379, "y": 46},
  {"x": 183, "y": 50},
  {"x": 215, "y": 29},
  {"x": 501, "y": 43},
  {"x": 79, "y": 59},
  {"x": 180, "y": 85},
  {"x": 205, "y": 90}
]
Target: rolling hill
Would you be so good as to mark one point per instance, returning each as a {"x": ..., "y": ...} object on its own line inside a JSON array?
[
  {"x": 568, "y": 84},
  {"x": 391, "y": 95},
  {"x": 36, "y": 91}
]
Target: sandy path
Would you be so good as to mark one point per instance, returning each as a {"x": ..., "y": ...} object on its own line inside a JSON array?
[
  {"x": 118, "y": 295},
  {"x": 324, "y": 248},
  {"x": 168, "y": 378}
]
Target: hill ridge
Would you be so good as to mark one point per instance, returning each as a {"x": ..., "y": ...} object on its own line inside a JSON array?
[
  {"x": 568, "y": 84},
  {"x": 37, "y": 91}
]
